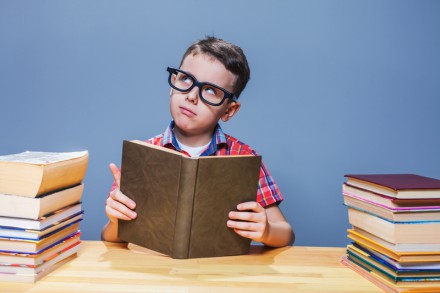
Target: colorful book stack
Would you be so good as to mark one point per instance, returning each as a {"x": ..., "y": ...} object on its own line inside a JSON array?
[
  {"x": 395, "y": 221},
  {"x": 40, "y": 211}
]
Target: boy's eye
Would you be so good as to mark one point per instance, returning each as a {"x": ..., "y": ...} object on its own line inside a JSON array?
[
  {"x": 185, "y": 78},
  {"x": 211, "y": 91}
]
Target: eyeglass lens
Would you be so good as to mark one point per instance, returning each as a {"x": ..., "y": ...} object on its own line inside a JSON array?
[{"x": 184, "y": 82}]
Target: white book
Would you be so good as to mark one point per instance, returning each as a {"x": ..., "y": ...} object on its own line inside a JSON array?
[
  {"x": 43, "y": 222},
  {"x": 36, "y": 207},
  {"x": 26, "y": 234}
]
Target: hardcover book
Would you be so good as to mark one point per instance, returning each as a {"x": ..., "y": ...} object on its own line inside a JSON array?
[
  {"x": 182, "y": 203},
  {"x": 37, "y": 269},
  {"x": 390, "y": 286},
  {"x": 34, "y": 277},
  {"x": 44, "y": 222},
  {"x": 37, "y": 207},
  {"x": 400, "y": 247},
  {"x": 36, "y": 173},
  {"x": 23, "y": 246},
  {"x": 395, "y": 232},
  {"x": 33, "y": 260},
  {"x": 394, "y": 215},
  {"x": 400, "y": 256},
  {"x": 394, "y": 268},
  {"x": 390, "y": 202},
  {"x": 397, "y": 185},
  {"x": 393, "y": 274},
  {"x": 30, "y": 234}
]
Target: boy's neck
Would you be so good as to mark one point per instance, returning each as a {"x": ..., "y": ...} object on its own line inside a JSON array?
[{"x": 192, "y": 140}]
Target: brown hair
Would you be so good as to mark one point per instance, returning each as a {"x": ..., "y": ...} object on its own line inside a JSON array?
[{"x": 230, "y": 55}]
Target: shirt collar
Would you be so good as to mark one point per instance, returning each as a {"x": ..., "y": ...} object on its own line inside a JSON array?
[
  {"x": 169, "y": 139},
  {"x": 219, "y": 138}
]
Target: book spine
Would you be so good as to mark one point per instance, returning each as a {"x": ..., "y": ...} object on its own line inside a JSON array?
[{"x": 184, "y": 212}]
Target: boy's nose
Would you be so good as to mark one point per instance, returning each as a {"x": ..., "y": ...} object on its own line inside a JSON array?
[{"x": 192, "y": 95}]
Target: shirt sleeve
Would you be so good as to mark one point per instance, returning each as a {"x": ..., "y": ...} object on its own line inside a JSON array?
[{"x": 268, "y": 192}]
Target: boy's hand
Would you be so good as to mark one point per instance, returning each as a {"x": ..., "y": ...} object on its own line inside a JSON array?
[
  {"x": 250, "y": 221},
  {"x": 118, "y": 205}
]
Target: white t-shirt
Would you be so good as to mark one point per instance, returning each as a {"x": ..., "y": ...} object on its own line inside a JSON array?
[{"x": 194, "y": 152}]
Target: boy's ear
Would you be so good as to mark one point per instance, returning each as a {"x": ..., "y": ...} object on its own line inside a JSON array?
[{"x": 231, "y": 110}]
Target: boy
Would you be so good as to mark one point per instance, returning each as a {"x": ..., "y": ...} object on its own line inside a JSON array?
[{"x": 204, "y": 89}]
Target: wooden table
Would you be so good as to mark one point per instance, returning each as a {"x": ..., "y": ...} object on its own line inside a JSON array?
[{"x": 110, "y": 267}]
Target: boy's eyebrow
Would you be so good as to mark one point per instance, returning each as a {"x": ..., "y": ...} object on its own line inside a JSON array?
[
  {"x": 192, "y": 74},
  {"x": 187, "y": 71}
]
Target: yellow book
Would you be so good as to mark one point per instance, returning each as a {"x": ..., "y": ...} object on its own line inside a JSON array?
[{"x": 403, "y": 257}]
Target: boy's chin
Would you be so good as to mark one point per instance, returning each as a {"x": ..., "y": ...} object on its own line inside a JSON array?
[
  {"x": 189, "y": 129},
  {"x": 183, "y": 127}
]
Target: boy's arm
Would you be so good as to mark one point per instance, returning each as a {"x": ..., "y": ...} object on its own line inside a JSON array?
[
  {"x": 267, "y": 225},
  {"x": 110, "y": 232},
  {"x": 117, "y": 206}
]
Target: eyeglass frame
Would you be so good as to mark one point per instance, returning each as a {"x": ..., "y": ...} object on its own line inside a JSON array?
[{"x": 227, "y": 95}]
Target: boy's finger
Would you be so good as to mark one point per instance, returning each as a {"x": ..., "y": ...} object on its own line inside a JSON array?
[
  {"x": 118, "y": 196},
  {"x": 116, "y": 174},
  {"x": 255, "y": 236},
  {"x": 246, "y": 216},
  {"x": 250, "y": 206},
  {"x": 117, "y": 205},
  {"x": 117, "y": 214},
  {"x": 244, "y": 226}
]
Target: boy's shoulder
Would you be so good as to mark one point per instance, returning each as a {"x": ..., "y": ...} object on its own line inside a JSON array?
[
  {"x": 237, "y": 147},
  {"x": 156, "y": 140}
]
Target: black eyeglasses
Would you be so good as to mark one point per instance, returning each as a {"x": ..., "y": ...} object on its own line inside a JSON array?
[{"x": 209, "y": 93}]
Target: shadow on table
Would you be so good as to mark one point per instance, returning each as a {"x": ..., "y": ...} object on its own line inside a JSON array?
[{"x": 136, "y": 259}]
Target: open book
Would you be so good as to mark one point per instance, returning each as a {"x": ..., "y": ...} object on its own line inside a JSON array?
[{"x": 182, "y": 203}]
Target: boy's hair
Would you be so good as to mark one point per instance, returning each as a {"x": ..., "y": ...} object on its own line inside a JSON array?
[{"x": 230, "y": 55}]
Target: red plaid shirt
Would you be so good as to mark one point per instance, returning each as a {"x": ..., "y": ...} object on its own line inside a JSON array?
[{"x": 226, "y": 145}]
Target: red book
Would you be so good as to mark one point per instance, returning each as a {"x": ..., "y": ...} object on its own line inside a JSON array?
[{"x": 397, "y": 185}]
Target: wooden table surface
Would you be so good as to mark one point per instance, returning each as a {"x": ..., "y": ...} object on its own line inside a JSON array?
[{"x": 110, "y": 267}]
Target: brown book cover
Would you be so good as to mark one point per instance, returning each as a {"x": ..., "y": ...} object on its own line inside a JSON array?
[
  {"x": 183, "y": 203},
  {"x": 397, "y": 185}
]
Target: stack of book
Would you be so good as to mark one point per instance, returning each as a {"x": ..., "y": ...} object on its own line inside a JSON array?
[
  {"x": 395, "y": 221},
  {"x": 40, "y": 211}
]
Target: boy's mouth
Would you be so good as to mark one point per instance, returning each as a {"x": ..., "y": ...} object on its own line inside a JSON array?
[{"x": 187, "y": 112}]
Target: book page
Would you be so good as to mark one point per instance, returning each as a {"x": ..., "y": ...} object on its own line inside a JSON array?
[{"x": 41, "y": 158}]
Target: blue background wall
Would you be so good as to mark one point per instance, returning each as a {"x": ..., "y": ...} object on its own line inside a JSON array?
[{"x": 337, "y": 87}]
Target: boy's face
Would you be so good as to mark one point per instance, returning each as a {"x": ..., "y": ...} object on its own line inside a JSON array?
[{"x": 191, "y": 115}]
